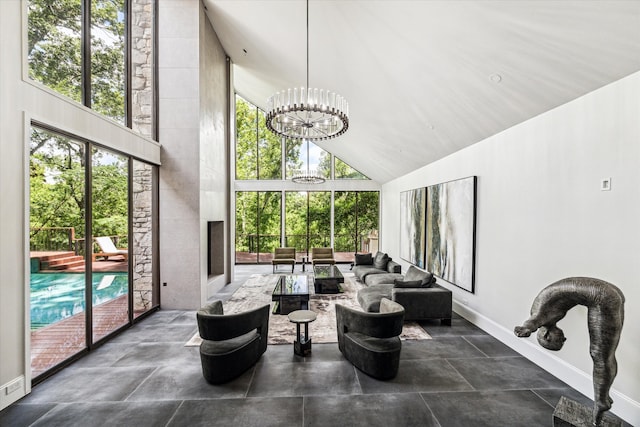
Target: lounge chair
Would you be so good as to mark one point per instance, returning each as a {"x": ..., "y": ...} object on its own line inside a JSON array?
[
  {"x": 322, "y": 256},
  {"x": 284, "y": 256},
  {"x": 107, "y": 249}
]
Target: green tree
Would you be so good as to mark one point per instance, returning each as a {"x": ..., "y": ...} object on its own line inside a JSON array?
[
  {"x": 55, "y": 55},
  {"x": 57, "y": 187}
]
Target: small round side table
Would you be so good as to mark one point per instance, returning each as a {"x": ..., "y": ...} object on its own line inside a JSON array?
[{"x": 302, "y": 344}]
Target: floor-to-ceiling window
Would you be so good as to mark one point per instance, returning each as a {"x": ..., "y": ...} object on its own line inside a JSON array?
[
  {"x": 57, "y": 220},
  {"x": 101, "y": 54},
  {"x": 356, "y": 221},
  {"x": 89, "y": 207},
  {"x": 263, "y": 166},
  {"x": 258, "y": 225},
  {"x": 307, "y": 220},
  {"x": 109, "y": 229}
]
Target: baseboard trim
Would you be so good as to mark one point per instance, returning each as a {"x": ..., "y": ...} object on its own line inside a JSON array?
[
  {"x": 623, "y": 406},
  {"x": 12, "y": 391}
]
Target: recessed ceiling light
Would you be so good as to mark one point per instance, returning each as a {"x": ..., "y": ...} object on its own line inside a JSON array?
[{"x": 496, "y": 78}]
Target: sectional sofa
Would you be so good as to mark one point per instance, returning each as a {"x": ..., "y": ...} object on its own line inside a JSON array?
[{"x": 417, "y": 290}]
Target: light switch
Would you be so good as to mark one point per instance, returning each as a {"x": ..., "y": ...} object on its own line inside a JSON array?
[{"x": 605, "y": 184}]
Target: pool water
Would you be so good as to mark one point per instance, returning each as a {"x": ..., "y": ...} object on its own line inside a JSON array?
[{"x": 56, "y": 296}]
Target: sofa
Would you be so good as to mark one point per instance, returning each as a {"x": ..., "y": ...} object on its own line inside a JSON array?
[
  {"x": 368, "y": 266},
  {"x": 417, "y": 291}
]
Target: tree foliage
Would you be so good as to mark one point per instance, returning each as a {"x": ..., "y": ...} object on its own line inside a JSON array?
[
  {"x": 58, "y": 193},
  {"x": 56, "y": 58},
  {"x": 307, "y": 214}
]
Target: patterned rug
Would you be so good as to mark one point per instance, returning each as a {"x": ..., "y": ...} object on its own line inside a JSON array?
[{"x": 257, "y": 290}]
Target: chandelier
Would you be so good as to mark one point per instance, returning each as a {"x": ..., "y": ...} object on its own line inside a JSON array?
[
  {"x": 307, "y": 113},
  {"x": 310, "y": 176}
]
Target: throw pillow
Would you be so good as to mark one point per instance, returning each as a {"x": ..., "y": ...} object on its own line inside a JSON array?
[
  {"x": 364, "y": 259},
  {"x": 398, "y": 283},
  {"x": 380, "y": 261}
]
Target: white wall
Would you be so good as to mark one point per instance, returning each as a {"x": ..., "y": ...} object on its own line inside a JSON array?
[
  {"x": 214, "y": 148},
  {"x": 193, "y": 118},
  {"x": 20, "y": 102},
  {"x": 541, "y": 217}
]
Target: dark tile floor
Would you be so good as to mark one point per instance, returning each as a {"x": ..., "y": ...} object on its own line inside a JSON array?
[{"x": 147, "y": 377}]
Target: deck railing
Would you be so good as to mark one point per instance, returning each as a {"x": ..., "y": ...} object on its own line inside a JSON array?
[
  {"x": 55, "y": 239},
  {"x": 266, "y": 243},
  {"x": 52, "y": 239}
]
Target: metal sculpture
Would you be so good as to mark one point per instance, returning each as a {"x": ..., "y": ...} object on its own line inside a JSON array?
[{"x": 605, "y": 316}]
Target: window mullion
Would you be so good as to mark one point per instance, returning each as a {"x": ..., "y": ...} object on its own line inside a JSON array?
[{"x": 86, "y": 53}]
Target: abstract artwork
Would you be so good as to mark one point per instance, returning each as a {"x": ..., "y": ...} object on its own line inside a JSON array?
[
  {"x": 412, "y": 226},
  {"x": 451, "y": 212}
]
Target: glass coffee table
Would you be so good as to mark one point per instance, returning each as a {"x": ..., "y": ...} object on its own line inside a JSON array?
[
  {"x": 327, "y": 279},
  {"x": 291, "y": 293}
]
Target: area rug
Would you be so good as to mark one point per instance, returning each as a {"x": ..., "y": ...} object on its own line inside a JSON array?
[{"x": 257, "y": 290}]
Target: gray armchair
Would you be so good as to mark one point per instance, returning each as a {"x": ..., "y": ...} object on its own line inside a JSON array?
[
  {"x": 371, "y": 340},
  {"x": 231, "y": 343}
]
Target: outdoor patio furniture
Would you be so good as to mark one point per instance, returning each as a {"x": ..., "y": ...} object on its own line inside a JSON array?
[
  {"x": 232, "y": 343},
  {"x": 108, "y": 249}
]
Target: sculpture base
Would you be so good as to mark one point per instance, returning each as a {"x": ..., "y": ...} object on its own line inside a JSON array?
[{"x": 569, "y": 413}]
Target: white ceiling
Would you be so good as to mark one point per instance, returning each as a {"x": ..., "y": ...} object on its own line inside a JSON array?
[{"x": 420, "y": 75}]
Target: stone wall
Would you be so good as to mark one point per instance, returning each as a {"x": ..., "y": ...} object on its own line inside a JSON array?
[
  {"x": 142, "y": 218},
  {"x": 142, "y": 66},
  {"x": 142, "y": 120}
]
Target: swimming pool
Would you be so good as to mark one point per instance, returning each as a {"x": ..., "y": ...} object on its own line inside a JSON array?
[{"x": 56, "y": 296}]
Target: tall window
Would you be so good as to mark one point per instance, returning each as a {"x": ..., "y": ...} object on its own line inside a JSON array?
[
  {"x": 309, "y": 216},
  {"x": 356, "y": 221},
  {"x": 319, "y": 159},
  {"x": 258, "y": 151},
  {"x": 92, "y": 215},
  {"x": 79, "y": 48},
  {"x": 258, "y": 230}
]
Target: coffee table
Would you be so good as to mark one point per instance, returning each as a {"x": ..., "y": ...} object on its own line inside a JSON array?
[
  {"x": 327, "y": 279},
  {"x": 291, "y": 293}
]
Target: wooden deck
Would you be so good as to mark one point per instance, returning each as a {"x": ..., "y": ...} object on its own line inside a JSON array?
[
  {"x": 57, "y": 342},
  {"x": 116, "y": 264}
]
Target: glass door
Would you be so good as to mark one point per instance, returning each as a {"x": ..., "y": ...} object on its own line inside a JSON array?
[
  {"x": 57, "y": 249},
  {"x": 110, "y": 247}
]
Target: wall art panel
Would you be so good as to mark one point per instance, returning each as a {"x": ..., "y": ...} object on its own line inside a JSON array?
[
  {"x": 412, "y": 226},
  {"x": 451, "y": 219}
]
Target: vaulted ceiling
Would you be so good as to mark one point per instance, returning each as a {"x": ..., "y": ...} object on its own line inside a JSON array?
[{"x": 426, "y": 78}]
